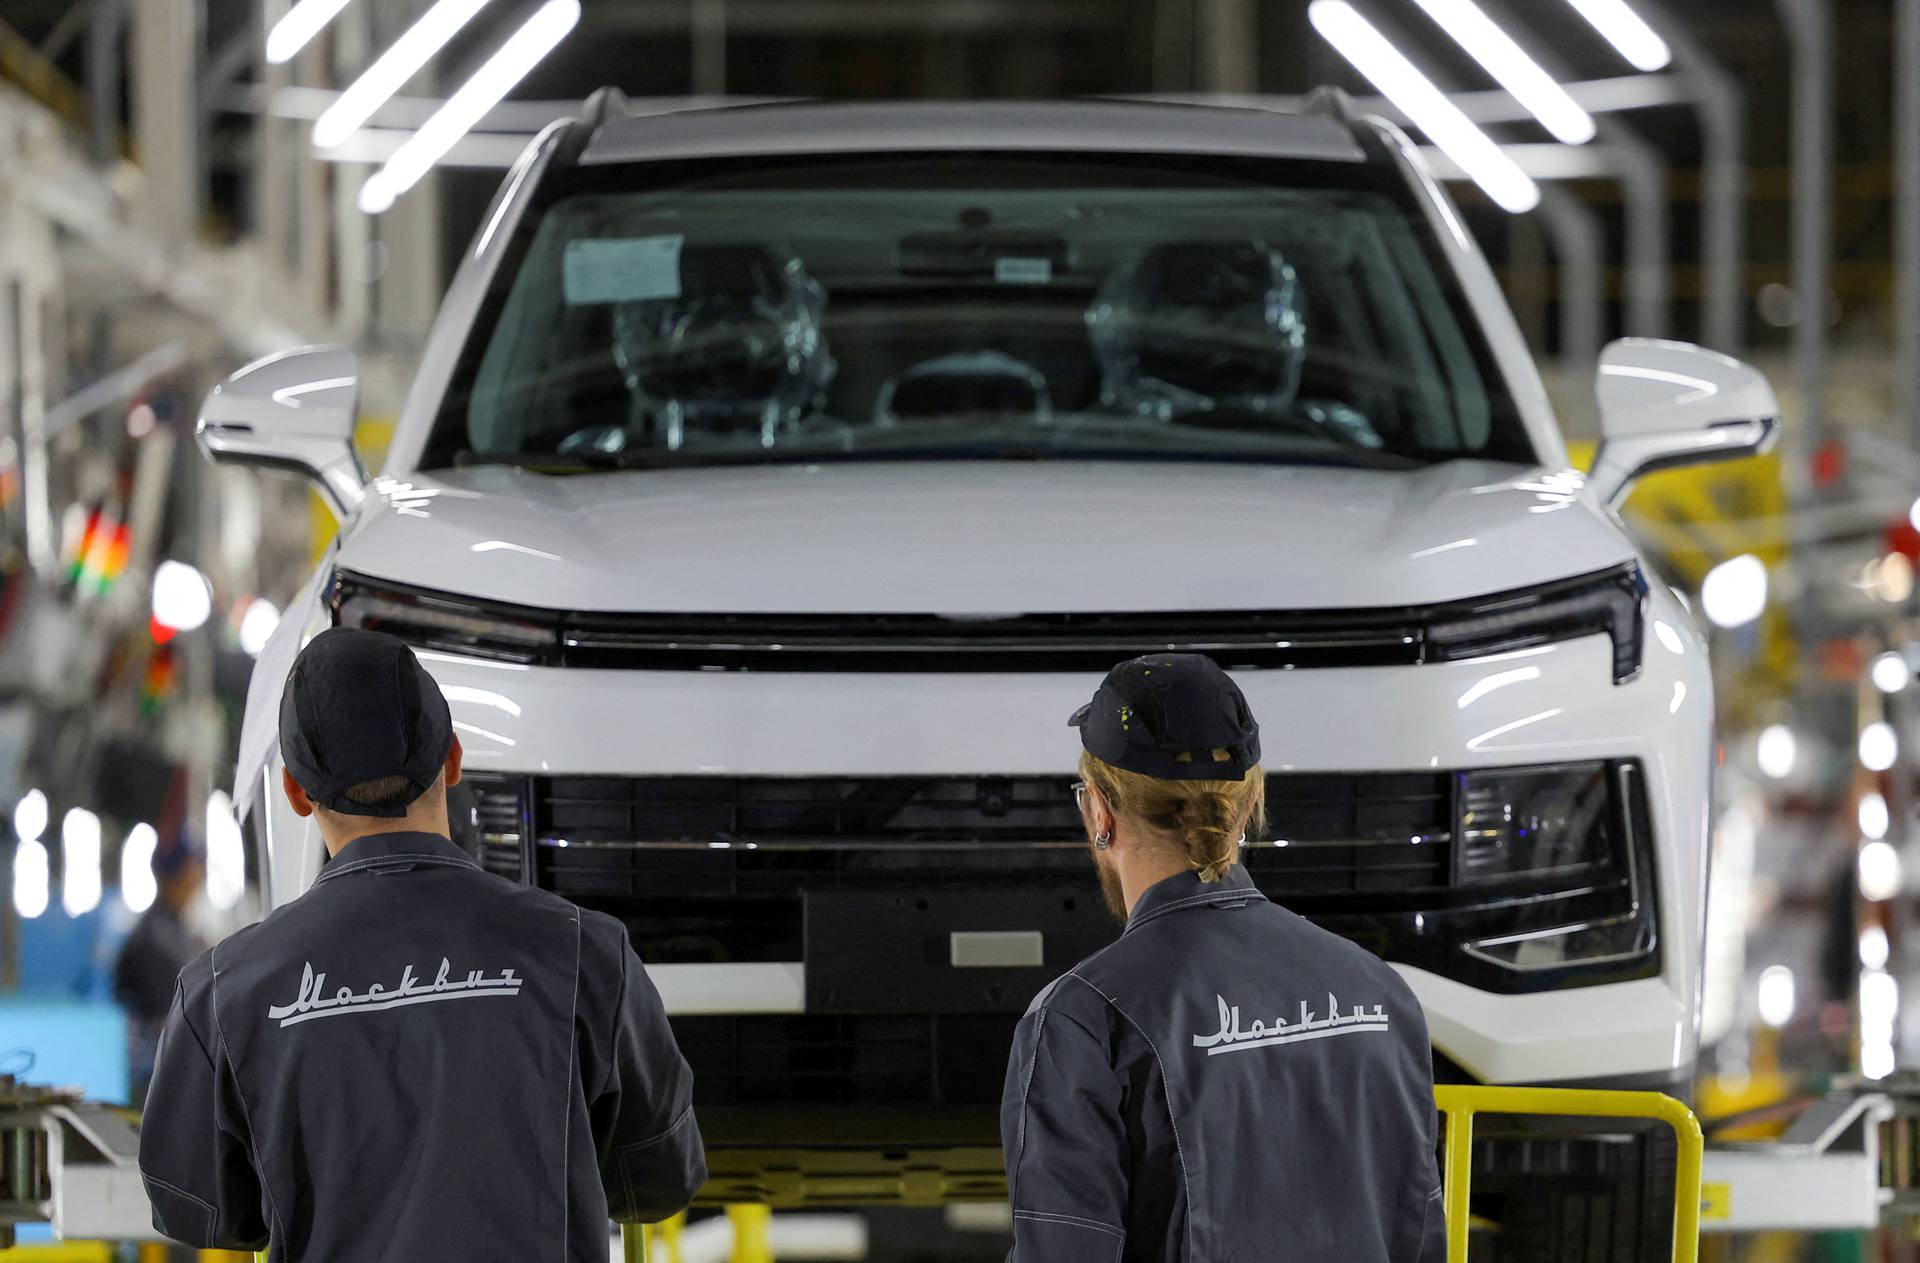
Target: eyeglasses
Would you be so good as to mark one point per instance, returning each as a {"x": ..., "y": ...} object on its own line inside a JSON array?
[{"x": 1080, "y": 795}]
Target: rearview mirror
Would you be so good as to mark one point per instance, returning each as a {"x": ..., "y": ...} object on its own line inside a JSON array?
[
  {"x": 293, "y": 411},
  {"x": 1664, "y": 404}
]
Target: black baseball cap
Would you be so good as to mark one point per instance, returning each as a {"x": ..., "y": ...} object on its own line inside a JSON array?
[
  {"x": 359, "y": 707},
  {"x": 1171, "y": 715}
]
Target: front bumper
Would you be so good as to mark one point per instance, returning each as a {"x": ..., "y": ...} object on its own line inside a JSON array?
[{"x": 1553, "y": 704}]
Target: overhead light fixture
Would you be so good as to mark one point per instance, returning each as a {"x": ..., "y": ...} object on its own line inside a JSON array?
[
  {"x": 1512, "y": 68},
  {"x": 1890, "y": 672},
  {"x": 297, "y": 27},
  {"x": 1775, "y": 995},
  {"x": 80, "y": 862},
  {"x": 1879, "y": 747},
  {"x": 30, "y": 816},
  {"x": 1401, "y": 82},
  {"x": 257, "y": 625},
  {"x": 1880, "y": 876},
  {"x": 1776, "y": 750},
  {"x": 182, "y": 597},
  {"x": 30, "y": 874},
  {"x": 1627, "y": 31},
  {"x": 391, "y": 70},
  {"x": 466, "y": 107},
  {"x": 226, "y": 853},
  {"x": 138, "y": 887},
  {"x": 1734, "y": 593},
  {"x": 1874, "y": 816}
]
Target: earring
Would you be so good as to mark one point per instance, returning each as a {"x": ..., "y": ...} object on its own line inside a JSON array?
[{"x": 1102, "y": 841}]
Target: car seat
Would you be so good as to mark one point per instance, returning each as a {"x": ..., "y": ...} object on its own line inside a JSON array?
[
  {"x": 738, "y": 351},
  {"x": 1185, "y": 327}
]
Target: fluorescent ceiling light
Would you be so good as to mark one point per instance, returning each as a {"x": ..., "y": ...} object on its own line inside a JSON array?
[
  {"x": 391, "y": 70},
  {"x": 466, "y": 107},
  {"x": 1510, "y": 66},
  {"x": 1414, "y": 94},
  {"x": 138, "y": 887},
  {"x": 1627, "y": 31},
  {"x": 298, "y": 27},
  {"x": 80, "y": 843},
  {"x": 30, "y": 876}
]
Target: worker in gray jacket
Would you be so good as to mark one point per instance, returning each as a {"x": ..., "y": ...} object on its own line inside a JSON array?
[
  {"x": 1226, "y": 1082},
  {"x": 415, "y": 1059}
]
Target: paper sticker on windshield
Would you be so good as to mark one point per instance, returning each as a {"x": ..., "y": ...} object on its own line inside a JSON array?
[
  {"x": 1015, "y": 270},
  {"x": 622, "y": 269}
]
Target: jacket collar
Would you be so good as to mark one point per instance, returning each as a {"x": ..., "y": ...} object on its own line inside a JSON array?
[
  {"x": 1183, "y": 891},
  {"x": 394, "y": 850}
]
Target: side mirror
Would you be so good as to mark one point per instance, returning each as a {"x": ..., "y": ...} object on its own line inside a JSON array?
[
  {"x": 293, "y": 411},
  {"x": 1664, "y": 404}
]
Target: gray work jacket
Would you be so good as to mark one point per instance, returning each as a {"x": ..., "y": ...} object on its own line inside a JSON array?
[
  {"x": 1226, "y": 1083},
  {"x": 418, "y": 1060}
]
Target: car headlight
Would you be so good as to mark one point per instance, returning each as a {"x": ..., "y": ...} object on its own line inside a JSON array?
[
  {"x": 434, "y": 621},
  {"x": 1530, "y": 823},
  {"x": 1613, "y": 602},
  {"x": 1569, "y": 829}
]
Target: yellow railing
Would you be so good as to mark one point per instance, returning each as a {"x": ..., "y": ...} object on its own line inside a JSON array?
[
  {"x": 1459, "y": 1103},
  {"x": 750, "y": 1244}
]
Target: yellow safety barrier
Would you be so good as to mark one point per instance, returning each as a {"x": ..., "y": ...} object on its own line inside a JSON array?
[
  {"x": 1459, "y": 1103},
  {"x": 750, "y": 1241}
]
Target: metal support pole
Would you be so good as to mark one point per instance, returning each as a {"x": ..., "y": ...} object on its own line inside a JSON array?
[
  {"x": 162, "y": 49},
  {"x": 1642, "y": 170},
  {"x": 750, "y": 1224},
  {"x": 1173, "y": 39},
  {"x": 1459, "y": 1171},
  {"x": 1810, "y": 26},
  {"x": 1227, "y": 45},
  {"x": 652, "y": 1243},
  {"x": 1722, "y": 107},
  {"x": 1580, "y": 257},
  {"x": 1906, "y": 232},
  {"x": 708, "y": 30},
  {"x": 1643, "y": 183},
  {"x": 103, "y": 78}
]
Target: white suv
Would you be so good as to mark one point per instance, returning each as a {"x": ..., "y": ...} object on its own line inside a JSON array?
[{"x": 777, "y": 480}]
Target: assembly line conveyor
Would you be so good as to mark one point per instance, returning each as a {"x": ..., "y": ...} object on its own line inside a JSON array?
[{"x": 1847, "y": 1161}]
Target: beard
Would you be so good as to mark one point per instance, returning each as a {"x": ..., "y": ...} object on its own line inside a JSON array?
[{"x": 1110, "y": 888}]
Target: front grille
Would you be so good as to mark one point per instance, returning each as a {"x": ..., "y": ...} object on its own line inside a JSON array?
[
  {"x": 498, "y": 821},
  {"x": 1329, "y": 835},
  {"x": 740, "y": 869},
  {"x": 865, "y": 878}
]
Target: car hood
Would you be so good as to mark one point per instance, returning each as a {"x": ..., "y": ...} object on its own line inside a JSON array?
[{"x": 981, "y": 538}]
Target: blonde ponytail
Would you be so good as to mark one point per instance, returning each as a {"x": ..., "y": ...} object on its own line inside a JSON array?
[{"x": 1205, "y": 819}]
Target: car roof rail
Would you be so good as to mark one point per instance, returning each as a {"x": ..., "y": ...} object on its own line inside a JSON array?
[
  {"x": 1331, "y": 102},
  {"x": 601, "y": 104}
]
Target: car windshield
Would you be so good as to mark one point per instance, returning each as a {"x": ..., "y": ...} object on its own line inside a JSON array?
[{"x": 974, "y": 307}]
